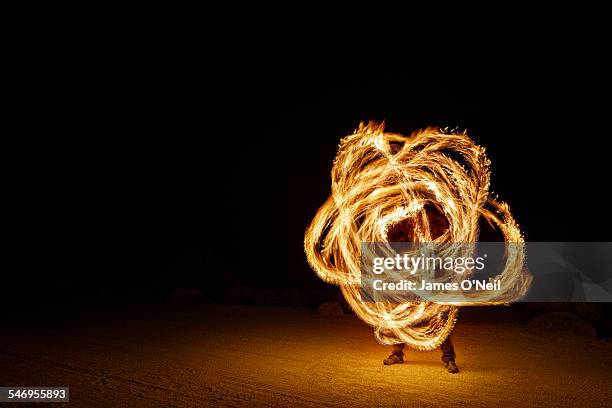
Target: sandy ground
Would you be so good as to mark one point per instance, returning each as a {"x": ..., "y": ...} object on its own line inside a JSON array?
[{"x": 195, "y": 354}]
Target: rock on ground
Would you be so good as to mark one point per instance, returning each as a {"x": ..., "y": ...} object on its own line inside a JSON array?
[
  {"x": 330, "y": 309},
  {"x": 563, "y": 323}
]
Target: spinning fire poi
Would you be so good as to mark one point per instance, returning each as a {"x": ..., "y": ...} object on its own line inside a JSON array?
[{"x": 433, "y": 183}]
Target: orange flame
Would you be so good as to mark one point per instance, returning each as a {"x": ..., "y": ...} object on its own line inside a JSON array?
[{"x": 381, "y": 179}]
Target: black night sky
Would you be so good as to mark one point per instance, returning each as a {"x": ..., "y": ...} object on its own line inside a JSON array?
[{"x": 165, "y": 178}]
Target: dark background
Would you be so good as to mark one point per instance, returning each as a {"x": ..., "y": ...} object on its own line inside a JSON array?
[{"x": 151, "y": 177}]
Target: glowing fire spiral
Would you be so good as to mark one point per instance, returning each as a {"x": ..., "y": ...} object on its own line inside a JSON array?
[{"x": 380, "y": 180}]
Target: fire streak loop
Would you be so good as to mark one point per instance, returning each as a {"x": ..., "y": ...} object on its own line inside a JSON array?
[{"x": 382, "y": 180}]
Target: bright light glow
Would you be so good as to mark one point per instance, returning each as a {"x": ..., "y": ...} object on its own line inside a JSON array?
[{"x": 380, "y": 179}]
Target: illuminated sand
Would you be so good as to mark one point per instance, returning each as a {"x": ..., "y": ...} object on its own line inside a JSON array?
[{"x": 207, "y": 355}]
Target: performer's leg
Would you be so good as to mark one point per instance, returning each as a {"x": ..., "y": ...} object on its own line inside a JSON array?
[
  {"x": 448, "y": 355},
  {"x": 397, "y": 355},
  {"x": 398, "y": 349},
  {"x": 448, "y": 351}
]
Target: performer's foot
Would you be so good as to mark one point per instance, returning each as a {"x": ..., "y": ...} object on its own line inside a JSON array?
[
  {"x": 451, "y": 367},
  {"x": 394, "y": 359}
]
